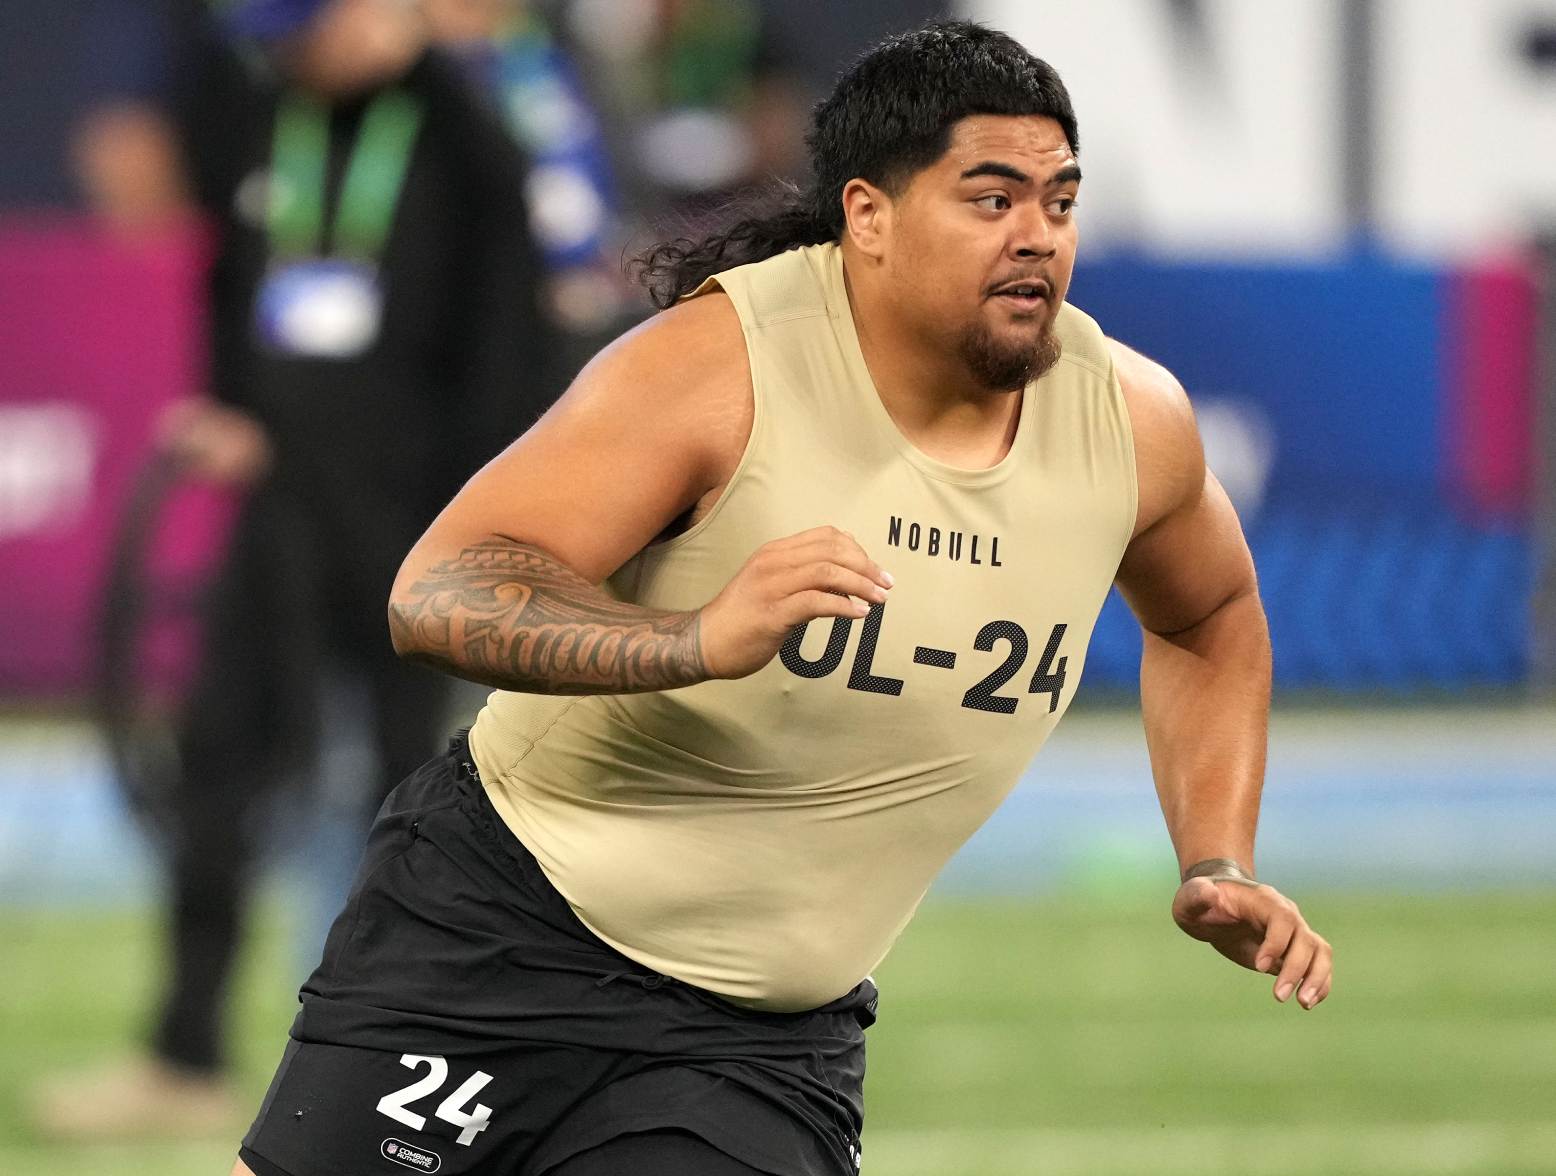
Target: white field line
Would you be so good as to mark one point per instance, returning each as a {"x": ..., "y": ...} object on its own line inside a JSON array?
[{"x": 1416, "y": 1149}]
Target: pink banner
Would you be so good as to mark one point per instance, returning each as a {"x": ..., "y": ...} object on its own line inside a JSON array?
[
  {"x": 1492, "y": 313},
  {"x": 97, "y": 334}
]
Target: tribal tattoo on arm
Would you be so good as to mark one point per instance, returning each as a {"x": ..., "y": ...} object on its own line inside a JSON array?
[{"x": 508, "y": 615}]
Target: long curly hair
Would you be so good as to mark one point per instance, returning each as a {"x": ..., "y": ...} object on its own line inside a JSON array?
[{"x": 889, "y": 116}]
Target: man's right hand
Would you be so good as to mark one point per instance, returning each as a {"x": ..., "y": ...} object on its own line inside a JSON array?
[
  {"x": 822, "y": 572},
  {"x": 220, "y": 444}
]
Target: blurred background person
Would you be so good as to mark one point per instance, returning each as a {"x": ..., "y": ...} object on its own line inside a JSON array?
[
  {"x": 91, "y": 77},
  {"x": 698, "y": 92},
  {"x": 635, "y": 111},
  {"x": 513, "y": 57},
  {"x": 376, "y": 334},
  {"x": 709, "y": 98}
]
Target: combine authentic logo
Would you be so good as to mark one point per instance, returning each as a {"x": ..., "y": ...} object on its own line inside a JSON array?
[{"x": 403, "y": 1153}]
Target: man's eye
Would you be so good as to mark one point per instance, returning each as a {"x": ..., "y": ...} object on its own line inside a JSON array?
[
  {"x": 1064, "y": 205},
  {"x": 994, "y": 202}
]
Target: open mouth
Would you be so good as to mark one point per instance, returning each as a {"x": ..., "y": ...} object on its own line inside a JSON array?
[
  {"x": 1027, "y": 297},
  {"x": 1023, "y": 297}
]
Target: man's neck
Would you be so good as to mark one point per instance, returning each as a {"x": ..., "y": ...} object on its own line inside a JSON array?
[{"x": 928, "y": 392}]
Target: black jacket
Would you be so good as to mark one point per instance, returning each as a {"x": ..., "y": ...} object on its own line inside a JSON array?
[{"x": 375, "y": 445}]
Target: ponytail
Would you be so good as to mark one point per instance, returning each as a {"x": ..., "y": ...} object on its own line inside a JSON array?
[{"x": 672, "y": 269}]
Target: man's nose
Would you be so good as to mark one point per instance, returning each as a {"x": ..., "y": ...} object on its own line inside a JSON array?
[{"x": 1034, "y": 237}]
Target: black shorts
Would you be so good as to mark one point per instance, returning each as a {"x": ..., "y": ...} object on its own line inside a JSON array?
[{"x": 463, "y": 1020}]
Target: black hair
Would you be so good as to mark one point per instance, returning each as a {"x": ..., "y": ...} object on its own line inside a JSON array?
[{"x": 889, "y": 117}]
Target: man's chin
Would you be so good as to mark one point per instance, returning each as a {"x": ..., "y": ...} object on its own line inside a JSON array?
[
  {"x": 1028, "y": 331},
  {"x": 1004, "y": 364}
]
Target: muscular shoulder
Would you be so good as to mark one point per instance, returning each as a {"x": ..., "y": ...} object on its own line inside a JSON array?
[
  {"x": 639, "y": 440},
  {"x": 697, "y": 340},
  {"x": 1169, "y": 459},
  {"x": 682, "y": 378}
]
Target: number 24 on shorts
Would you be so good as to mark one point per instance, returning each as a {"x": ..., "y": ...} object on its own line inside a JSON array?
[{"x": 451, "y": 1110}]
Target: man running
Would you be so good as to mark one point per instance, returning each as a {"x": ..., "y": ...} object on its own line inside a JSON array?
[{"x": 778, "y": 603}]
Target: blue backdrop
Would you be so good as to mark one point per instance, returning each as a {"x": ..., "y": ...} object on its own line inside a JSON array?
[{"x": 1374, "y": 577}]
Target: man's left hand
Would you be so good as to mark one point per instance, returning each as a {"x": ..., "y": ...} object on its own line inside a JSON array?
[{"x": 1258, "y": 927}]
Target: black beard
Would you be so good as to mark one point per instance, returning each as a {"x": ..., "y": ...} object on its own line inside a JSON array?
[{"x": 1003, "y": 368}]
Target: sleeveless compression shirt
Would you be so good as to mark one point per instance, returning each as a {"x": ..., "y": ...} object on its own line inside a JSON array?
[{"x": 768, "y": 838}]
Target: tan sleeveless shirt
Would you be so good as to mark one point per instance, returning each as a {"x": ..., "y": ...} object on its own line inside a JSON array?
[{"x": 766, "y": 839}]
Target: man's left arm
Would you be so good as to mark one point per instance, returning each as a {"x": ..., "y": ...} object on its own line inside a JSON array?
[{"x": 1205, "y": 689}]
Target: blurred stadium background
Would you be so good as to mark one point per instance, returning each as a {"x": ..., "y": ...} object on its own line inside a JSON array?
[{"x": 1334, "y": 219}]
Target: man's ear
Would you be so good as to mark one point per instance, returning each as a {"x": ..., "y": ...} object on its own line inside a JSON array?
[{"x": 867, "y": 216}]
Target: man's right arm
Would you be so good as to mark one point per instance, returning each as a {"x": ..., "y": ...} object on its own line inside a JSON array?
[
  {"x": 502, "y": 589},
  {"x": 508, "y": 614}
]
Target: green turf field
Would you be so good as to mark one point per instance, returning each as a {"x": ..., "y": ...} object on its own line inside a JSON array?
[{"x": 1078, "y": 1035}]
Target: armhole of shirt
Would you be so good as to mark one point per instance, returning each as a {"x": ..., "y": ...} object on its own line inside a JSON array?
[
  {"x": 1127, "y": 428},
  {"x": 1108, "y": 374},
  {"x": 758, "y": 416}
]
